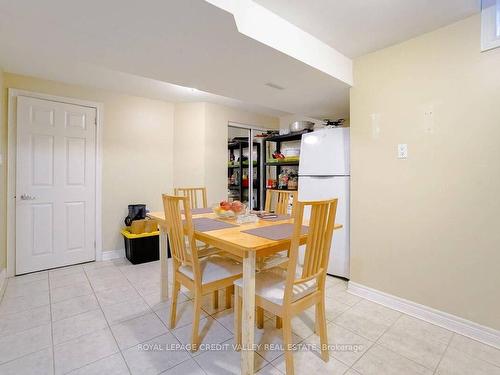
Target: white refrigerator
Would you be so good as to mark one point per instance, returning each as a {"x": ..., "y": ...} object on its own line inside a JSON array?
[{"x": 324, "y": 173}]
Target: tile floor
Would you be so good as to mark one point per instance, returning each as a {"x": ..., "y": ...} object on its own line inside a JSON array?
[{"x": 107, "y": 318}]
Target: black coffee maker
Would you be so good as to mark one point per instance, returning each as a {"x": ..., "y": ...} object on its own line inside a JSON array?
[{"x": 135, "y": 212}]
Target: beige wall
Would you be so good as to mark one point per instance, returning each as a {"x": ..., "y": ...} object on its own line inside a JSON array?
[
  {"x": 189, "y": 147},
  {"x": 3, "y": 180},
  {"x": 427, "y": 228},
  {"x": 137, "y": 149},
  {"x": 201, "y": 144}
]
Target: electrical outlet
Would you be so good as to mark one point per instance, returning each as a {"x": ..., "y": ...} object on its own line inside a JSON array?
[{"x": 402, "y": 151}]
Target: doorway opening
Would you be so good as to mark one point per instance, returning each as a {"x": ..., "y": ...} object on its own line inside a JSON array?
[{"x": 245, "y": 165}]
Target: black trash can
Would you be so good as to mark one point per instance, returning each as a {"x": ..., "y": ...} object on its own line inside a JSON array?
[{"x": 141, "y": 248}]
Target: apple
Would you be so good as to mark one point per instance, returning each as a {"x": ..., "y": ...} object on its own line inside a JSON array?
[
  {"x": 236, "y": 206},
  {"x": 225, "y": 205}
]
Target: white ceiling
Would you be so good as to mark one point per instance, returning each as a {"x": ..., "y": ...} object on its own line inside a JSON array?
[
  {"x": 125, "y": 83},
  {"x": 138, "y": 46},
  {"x": 357, "y": 27},
  {"x": 186, "y": 42}
]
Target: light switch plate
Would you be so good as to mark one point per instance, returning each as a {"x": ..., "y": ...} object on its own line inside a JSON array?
[
  {"x": 402, "y": 151},
  {"x": 428, "y": 121}
]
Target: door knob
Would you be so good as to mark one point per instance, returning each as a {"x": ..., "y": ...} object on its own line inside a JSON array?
[{"x": 27, "y": 197}]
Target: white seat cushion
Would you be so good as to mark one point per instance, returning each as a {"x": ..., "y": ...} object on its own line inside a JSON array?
[
  {"x": 214, "y": 268},
  {"x": 270, "y": 285}
]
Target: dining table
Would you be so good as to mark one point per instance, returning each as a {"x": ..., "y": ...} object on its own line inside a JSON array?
[{"x": 245, "y": 246}]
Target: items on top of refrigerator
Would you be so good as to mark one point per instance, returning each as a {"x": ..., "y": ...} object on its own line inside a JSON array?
[{"x": 334, "y": 123}]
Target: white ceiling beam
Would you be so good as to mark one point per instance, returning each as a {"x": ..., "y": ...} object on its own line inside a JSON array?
[{"x": 257, "y": 22}]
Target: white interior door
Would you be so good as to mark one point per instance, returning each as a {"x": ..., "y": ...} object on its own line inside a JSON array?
[{"x": 55, "y": 184}]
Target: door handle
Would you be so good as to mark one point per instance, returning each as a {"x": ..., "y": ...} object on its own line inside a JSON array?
[{"x": 27, "y": 197}]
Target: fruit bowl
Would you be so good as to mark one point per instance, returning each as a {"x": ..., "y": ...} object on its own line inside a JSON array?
[{"x": 229, "y": 210}]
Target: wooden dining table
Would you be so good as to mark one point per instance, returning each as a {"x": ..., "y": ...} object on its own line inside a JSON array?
[{"x": 246, "y": 246}]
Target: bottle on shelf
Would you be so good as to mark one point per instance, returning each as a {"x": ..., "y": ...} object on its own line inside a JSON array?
[{"x": 283, "y": 179}]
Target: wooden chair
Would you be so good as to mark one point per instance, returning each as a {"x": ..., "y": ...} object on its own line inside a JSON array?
[
  {"x": 200, "y": 275},
  {"x": 286, "y": 293},
  {"x": 281, "y": 199},
  {"x": 193, "y": 193}
]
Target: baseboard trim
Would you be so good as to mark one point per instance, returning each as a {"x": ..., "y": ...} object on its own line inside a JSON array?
[
  {"x": 113, "y": 254},
  {"x": 3, "y": 281},
  {"x": 451, "y": 322}
]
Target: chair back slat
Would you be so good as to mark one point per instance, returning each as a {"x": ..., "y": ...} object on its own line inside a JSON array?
[
  {"x": 196, "y": 195},
  {"x": 179, "y": 230},
  {"x": 317, "y": 247},
  {"x": 280, "y": 199}
]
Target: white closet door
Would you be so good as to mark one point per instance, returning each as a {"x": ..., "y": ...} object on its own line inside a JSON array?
[{"x": 55, "y": 184}]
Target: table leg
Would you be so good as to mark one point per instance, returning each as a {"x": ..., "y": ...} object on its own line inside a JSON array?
[
  {"x": 248, "y": 314},
  {"x": 163, "y": 263}
]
